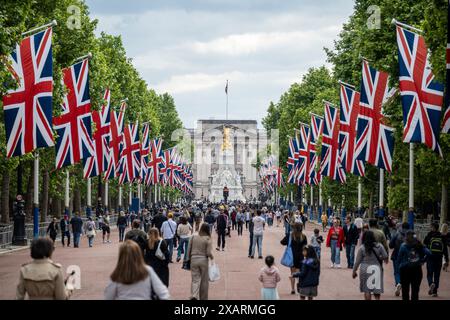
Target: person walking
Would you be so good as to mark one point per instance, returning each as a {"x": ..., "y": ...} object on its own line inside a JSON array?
[
  {"x": 64, "y": 226},
  {"x": 258, "y": 231},
  {"x": 184, "y": 231},
  {"x": 396, "y": 241},
  {"x": 221, "y": 227},
  {"x": 369, "y": 260},
  {"x": 240, "y": 222},
  {"x": 157, "y": 255},
  {"x": 89, "y": 230},
  {"x": 269, "y": 276},
  {"x": 248, "y": 218},
  {"x": 324, "y": 219},
  {"x": 77, "y": 229},
  {"x": 52, "y": 229},
  {"x": 250, "y": 230},
  {"x": 42, "y": 279},
  {"x": 106, "y": 230},
  {"x": 199, "y": 250},
  {"x": 132, "y": 279},
  {"x": 309, "y": 274},
  {"x": 411, "y": 256},
  {"x": 278, "y": 215},
  {"x": 435, "y": 242},
  {"x": 335, "y": 241},
  {"x": 351, "y": 237},
  {"x": 316, "y": 242},
  {"x": 380, "y": 237},
  {"x": 168, "y": 229},
  {"x": 137, "y": 235},
  {"x": 121, "y": 225},
  {"x": 298, "y": 242}
]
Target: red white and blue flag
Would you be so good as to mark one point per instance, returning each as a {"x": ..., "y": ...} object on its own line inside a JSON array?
[
  {"x": 314, "y": 159},
  {"x": 154, "y": 163},
  {"x": 28, "y": 108},
  {"x": 73, "y": 126},
  {"x": 94, "y": 166},
  {"x": 302, "y": 174},
  {"x": 349, "y": 100},
  {"x": 145, "y": 151},
  {"x": 116, "y": 142},
  {"x": 330, "y": 164},
  {"x": 422, "y": 96},
  {"x": 130, "y": 158},
  {"x": 168, "y": 167},
  {"x": 374, "y": 140},
  {"x": 291, "y": 162}
]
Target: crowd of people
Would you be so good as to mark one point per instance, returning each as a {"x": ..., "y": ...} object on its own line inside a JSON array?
[{"x": 150, "y": 238}]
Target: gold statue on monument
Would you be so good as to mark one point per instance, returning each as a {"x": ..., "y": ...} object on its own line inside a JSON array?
[{"x": 226, "y": 145}]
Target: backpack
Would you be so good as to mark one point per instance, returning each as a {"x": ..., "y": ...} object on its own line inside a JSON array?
[
  {"x": 140, "y": 241},
  {"x": 436, "y": 245},
  {"x": 90, "y": 228}
]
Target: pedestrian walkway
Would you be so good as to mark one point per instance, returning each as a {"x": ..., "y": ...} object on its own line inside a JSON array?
[{"x": 238, "y": 272}]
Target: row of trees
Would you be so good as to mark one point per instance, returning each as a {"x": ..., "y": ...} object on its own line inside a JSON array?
[
  {"x": 379, "y": 46},
  {"x": 110, "y": 67}
]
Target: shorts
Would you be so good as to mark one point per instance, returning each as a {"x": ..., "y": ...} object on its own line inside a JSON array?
[
  {"x": 308, "y": 291},
  {"x": 106, "y": 230}
]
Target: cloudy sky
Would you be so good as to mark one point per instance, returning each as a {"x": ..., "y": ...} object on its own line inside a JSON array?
[{"x": 189, "y": 48}]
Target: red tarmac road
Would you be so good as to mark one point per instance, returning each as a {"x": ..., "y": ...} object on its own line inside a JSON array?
[{"x": 238, "y": 272}]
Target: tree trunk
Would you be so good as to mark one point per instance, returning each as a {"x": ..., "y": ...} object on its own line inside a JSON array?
[
  {"x": 29, "y": 195},
  {"x": 371, "y": 204},
  {"x": 5, "y": 197},
  {"x": 45, "y": 186},
  {"x": 77, "y": 200},
  {"x": 444, "y": 202},
  {"x": 56, "y": 207}
]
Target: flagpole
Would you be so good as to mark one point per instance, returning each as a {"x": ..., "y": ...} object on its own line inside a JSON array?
[
  {"x": 411, "y": 187},
  {"x": 359, "y": 196},
  {"x": 36, "y": 196},
  {"x": 319, "y": 215},
  {"x": 312, "y": 203},
  {"x": 130, "y": 197},
  {"x": 88, "y": 198},
  {"x": 66, "y": 194},
  {"x": 51, "y": 24},
  {"x": 139, "y": 194},
  {"x": 404, "y": 25},
  {"x": 120, "y": 198},
  {"x": 381, "y": 196},
  {"x": 106, "y": 195}
]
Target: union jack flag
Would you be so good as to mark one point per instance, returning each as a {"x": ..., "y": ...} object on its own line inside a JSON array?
[
  {"x": 168, "y": 167},
  {"x": 374, "y": 139},
  {"x": 291, "y": 162},
  {"x": 116, "y": 142},
  {"x": 302, "y": 173},
  {"x": 316, "y": 132},
  {"x": 446, "y": 124},
  {"x": 279, "y": 178},
  {"x": 154, "y": 162},
  {"x": 130, "y": 159},
  {"x": 145, "y": 151},
  {"x": 349, "y": 99},
  {"x": 95, "y": 165},
  {"x": 421, "y": 95},
  {"x": 330, "y": 165},
  {"x": 28, "y": 109},
  {"x": 73, "y": 126}
]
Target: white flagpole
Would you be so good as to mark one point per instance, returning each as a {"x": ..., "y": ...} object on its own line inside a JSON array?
[
  {"x": 381, "y": 196},
  {"x": 66, "y": 194},
  {"x": 36, "y": 196},
  {"x": 411, "y": 187},
  {"x": 130, "y": 196},
  {"x": 139, "y": 194},
  {"x": 312, "y": 202},
  {"x": 106, "y": 195},
  {"x": 120, "y": 197},
  {"x": 88, "y": 198},
  {"x": 359, "y": 195},
  {"x": 51, "y": 24},
  {"x": 319, "y": 212}
]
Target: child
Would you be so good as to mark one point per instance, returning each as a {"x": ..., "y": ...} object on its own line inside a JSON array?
[
  {"x": 269, "y": 276},
  {"x": 316, "y": 242},
  {"x": 309, "y": 274}
]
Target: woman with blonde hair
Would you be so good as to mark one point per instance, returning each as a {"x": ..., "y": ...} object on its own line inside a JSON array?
[
  {"x": 132, "y": 279},
  {"x": 157, "y": 255},
  {"x": 297, "y": 241}
]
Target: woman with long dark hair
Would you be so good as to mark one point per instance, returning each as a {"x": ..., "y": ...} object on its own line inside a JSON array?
[
  {"x": 52, "y": 229},
  {"x": 152, "y": 255},
  {"x": 369, "y": 260}
]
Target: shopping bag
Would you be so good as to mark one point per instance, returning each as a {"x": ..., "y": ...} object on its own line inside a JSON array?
[
  {"x": 288, "y": 258},
  {"x": 214, "y": 272}
]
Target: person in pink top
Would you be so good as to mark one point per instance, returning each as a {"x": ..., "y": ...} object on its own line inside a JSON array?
[
  {"x": 335, "y": 241},
  {"x": 269, "y": 276}
]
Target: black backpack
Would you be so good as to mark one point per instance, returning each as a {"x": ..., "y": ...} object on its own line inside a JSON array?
[{"x": 436, "y": 245}]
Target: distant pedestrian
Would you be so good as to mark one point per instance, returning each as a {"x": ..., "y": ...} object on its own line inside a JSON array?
[
  {"x": 335, "y": 241},
  {"x": 184, "y": 231},
  {"x": 250, "y": 230},
  {"x": 221, "y": 227},
  {"x": 89, "y": 230},
  {"x": 157, "y": 255},
  {"x": 106, "y": 229},
  {"x": 168, "y": 230},
  {"x": 77, "y": 229},
  {"x": 351, "y": 237},
  {"x": 316, "y": 242},
  {"x": 52, "y": 229},
  {"x": 395, "y": 243},
  {"x": 269, "y": 276},
  {"x": 258, "y": 232},
  {"x": 240, "y": 218},
  {"x": 121, "y": 225},
  {"x": 64, "y": 226},
  {"x": 324, "y": 219},
  {"x": 308, "y": 277}
]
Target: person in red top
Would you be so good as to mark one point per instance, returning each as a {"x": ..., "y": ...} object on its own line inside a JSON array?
[{"x": 335, "y": 241}]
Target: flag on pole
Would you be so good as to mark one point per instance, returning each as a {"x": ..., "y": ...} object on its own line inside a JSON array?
[
  {"x": 73, "y": 126},
  {"x": 421, "y": 95},
  {"x": 316, "y": 132},
  {"x": 28, "y": 108},
  {"x": 302, "y": 173},
  {"x": 116, "y": 142},
  {"x": 145, "y": 152},
  {"x": 130, "y": 159},
  {"x": 154, "y": 162}
]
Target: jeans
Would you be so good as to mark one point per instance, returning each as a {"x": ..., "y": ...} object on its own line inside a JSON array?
[
  {"x": 239, "y": 228},
  {"x": 318, "y": 252},
  {"x": 335, "y": 252},
  {"x": 63, "y": 235},
  {"x": 396, "y": 271},
  {"x": 250, "y": 245},
  {"x": 350, "y": 253},
  {"x": 410, "y": 277},
  {"x": 434, "y": 266},
  {"x": 76, "y": 239},
  {"x": 184, "y": 242},
  {"x": 246, "y": 224},
  {"x": 221, "y": 238},
  {"x": 121, "y": 232},
  {"x": 257, "y": 240},
  {"x": 91, "y": 241},
  {"x": 170, "y": 247}
]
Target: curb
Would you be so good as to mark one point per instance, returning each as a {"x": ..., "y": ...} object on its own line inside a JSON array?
[{"x": 9, "y": 250}]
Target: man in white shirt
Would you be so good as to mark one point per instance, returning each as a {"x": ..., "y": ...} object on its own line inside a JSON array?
[
  {"x": 168, "y": 229},
  {"x": 258, "y": 230}
]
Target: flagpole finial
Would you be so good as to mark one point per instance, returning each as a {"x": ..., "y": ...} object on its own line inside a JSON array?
[
  {"x": 54, "y": 23},
  {"x": 394, "y": 21}
]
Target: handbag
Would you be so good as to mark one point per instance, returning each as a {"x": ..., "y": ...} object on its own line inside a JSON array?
[
  {"x": 213, "y": 272},
  {"x": 288, "y": 258},
  {"x": 159, "y": 254}
]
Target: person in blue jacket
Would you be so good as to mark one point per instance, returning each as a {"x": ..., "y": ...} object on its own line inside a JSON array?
[{"x": 309, "y": 274}]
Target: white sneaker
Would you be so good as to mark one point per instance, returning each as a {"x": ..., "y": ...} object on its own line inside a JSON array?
[
  {"x": 332, "y": 266},
  {"x": 338, "y": 266},
  {"x": 398, "y": 289}
]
